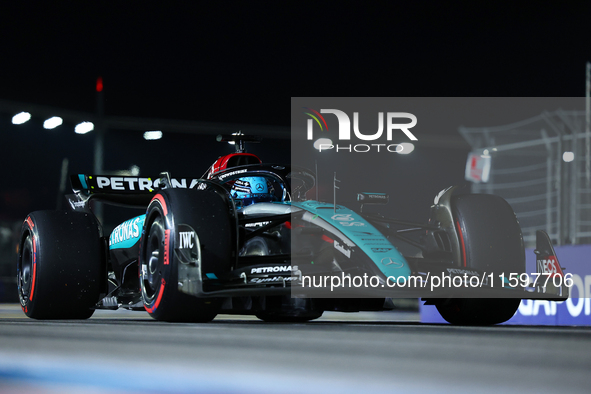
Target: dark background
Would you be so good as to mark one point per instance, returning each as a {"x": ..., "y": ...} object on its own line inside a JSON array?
[
  {"x": 237, "y": 62},
  {"x": 240, "y": 62}
]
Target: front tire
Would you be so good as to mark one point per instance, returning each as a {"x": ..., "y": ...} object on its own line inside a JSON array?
[
  {"x": 492, "y": 239},
  {"x": 477, "y": 311},
  {"x": 491, "y": 242}
]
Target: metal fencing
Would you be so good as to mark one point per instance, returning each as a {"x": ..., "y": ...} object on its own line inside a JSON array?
[{"x": 541, "y": 167}]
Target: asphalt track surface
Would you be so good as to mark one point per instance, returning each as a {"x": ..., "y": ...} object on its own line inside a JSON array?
[{"x": 128, "y": 352}]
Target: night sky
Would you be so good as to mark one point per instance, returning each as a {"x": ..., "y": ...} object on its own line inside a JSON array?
[{"x": 240, "y": 62}]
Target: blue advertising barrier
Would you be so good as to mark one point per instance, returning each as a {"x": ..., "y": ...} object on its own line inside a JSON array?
[{"x": 576, "y": 259}]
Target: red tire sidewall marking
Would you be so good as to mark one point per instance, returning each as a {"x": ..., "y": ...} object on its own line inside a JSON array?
[
  {"x": 160, "y": 199},
  {"x": 463, "y": 245},
  {"x": 166, "y": 246},
  {"x": 153, "y": 308},
  {"x": 29, "y": 226},
  {"x": 34, "y": 266}
]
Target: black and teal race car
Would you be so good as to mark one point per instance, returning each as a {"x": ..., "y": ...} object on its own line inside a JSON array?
[{"x": 244, "y": 238}]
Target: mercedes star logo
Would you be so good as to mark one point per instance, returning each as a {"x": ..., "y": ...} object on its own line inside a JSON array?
[{"x": 388, "y": 261}]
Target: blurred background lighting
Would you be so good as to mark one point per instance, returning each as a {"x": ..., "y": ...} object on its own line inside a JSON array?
[
  {"x": 152, "y": 135},
  {"x": 322, "y": 141},
  {"x": 84, "y": 127},
  {"x": 52, "y": 123},
  {"x": 21, "y": 118},
  {"x": 568, "y": 156},
  {"x": 405, "y": 148}
]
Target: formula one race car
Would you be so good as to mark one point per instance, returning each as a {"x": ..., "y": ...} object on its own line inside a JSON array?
[{"x": 244, "y": 239}]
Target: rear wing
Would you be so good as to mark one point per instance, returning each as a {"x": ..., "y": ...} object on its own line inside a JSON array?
[
  {"x": 138, "y": 191},
  {"x": 91, "y": 184},
  {"x": 121, "y": 190}
]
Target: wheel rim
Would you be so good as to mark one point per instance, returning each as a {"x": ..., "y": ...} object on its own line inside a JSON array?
[
  {"x": 25, "y": 269},
  {"x": 152, "y": 262}
]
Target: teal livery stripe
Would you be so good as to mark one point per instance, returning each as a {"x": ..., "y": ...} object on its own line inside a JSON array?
[
  {"x": 373, "y": 243},
  {"x": 83, "y": 181},
  {"x": 127, "y": 234}
]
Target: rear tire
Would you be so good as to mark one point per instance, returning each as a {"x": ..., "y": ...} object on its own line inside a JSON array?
[
  {"x": 59, "y": 265},
  {"x": 208, "y": 215},
  {"x": 284, "y": 309},
  {"x": 490, "y": 241}
]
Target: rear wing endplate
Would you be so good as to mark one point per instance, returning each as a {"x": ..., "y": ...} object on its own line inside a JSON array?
[{"x": 551, "y": 279}]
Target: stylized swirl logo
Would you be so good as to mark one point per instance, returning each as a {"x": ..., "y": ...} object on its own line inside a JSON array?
[{"x": 316, "y": 118}]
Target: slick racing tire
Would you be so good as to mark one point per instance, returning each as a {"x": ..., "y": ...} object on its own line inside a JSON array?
[
  {"x": 284, "y": 309},
  {"x": 207, "y": 214},
  {"x": 59, "y": 265},
  {"x": 489, "y": 233},
  {"x": 491, "y": 242},
  {"x": 478, "y": 311}
]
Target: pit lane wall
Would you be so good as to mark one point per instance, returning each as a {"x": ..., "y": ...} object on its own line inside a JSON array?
[{"x": 576, "y": 259}]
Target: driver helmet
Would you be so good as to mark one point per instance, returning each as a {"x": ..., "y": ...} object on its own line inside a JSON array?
[{"x": 250, "y": 190}]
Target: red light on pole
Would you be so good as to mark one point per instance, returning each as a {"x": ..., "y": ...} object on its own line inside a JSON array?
[{"x": 99, "y": 84}]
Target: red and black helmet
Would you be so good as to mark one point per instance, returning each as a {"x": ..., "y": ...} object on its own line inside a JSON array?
[{"x": 232, "y": 160}]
